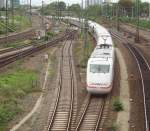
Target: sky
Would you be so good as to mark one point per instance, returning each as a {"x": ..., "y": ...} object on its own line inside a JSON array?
[{"x": 38, "y": 2}]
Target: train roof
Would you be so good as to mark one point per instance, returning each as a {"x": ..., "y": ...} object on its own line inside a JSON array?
[
  {"x": 104, "y": 39},
  {"x": 98, "y": 28},
  {"x": 103, "y": 52}
]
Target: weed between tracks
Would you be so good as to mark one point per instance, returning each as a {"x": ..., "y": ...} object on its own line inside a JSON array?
[
  {"x": 81, "y": 65},
  {"x": 82, "y": 52},
  {"x": 117, "y": 105},
  {"x": 14, "y": 85},
  {"x": 53, "y": 61}
]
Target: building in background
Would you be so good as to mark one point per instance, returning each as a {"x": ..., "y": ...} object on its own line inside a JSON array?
[
  {"x": 93, "y": 2},
  {"x": 15, "y": 2},
  {"x": 107, "y": 1},
  {"x": 2, "y": 3}
]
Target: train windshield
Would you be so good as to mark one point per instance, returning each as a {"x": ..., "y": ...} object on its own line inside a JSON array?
[{"x": 95, "y": 68}]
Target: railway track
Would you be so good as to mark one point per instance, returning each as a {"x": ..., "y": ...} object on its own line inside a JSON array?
[
  {"x": 64, "y": 106},
  {"x": 142, "y": 38},
  {"x": 91, "y": 118},
  {"x": 17, "y": 36},
  {"x": 10, "y": 49},
  {"x": 144, "y": 69},
  {"x": 6, "y": 59}
]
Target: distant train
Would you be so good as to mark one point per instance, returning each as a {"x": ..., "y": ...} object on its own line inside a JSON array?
[{"x": 100, "y": 67}]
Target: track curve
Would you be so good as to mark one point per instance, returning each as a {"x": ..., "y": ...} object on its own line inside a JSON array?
[
  {"x": 61, "y": 115},
  {"x": 144, "y": 69}
]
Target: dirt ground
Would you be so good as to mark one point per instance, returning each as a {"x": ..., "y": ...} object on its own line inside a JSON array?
[
  {"x": 35, "y": 63},
  {"x": 112, "y": 115},
  {"x": 143, "y": 34},
  {"x": 39, "y": 119},
  {"x": 137, "y": 112}
]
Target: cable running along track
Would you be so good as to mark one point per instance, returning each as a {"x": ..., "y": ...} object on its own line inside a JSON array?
[{"x": 144, "y": 69}]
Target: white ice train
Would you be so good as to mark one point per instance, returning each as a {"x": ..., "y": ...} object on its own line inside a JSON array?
[{"x": 100, "y": 67}]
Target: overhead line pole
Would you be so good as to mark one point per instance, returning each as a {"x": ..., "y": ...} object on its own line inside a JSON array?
[
  {"x": 12, "y": 4},
  {"x": 85, "y": 31},
  {"x": 149, "y": 10},
  {"x": 6, "y": 20},
  {"x": 118, "y": 15},
  {"x": 30, "y": 12},
  {"x": 137, "y": 39},
  {"x": 42, "y": 13}
]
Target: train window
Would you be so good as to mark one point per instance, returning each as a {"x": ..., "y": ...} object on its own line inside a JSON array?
[{"x": 95, "y": 68}]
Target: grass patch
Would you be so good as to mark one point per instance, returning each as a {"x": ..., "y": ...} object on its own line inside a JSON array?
[
  {"x": 14, "y": 85},
  {"x": 83, "y": 52},
  {"x": 20, "y": 23},
  {"x": 112, "y": 127},
  {"x": 117, "y": 105},
  {"x": 143, "y": 23},
  {"x": 49, "y": 35},
  {"x": 53, "y": 61},
  {"x": 17, "y": 43}
]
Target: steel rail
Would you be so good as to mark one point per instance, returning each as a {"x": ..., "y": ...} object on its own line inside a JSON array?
[
  {"x": 84, "y": 113},
  {"x": 10, "y": 49},
  {"x": 58, "y": 94},
  {"x": 4, "y": 60},
  {"x": 100, "y": 115},
  {"x": 72, "y": 89},
  {"x": 139, "y": 57},
  {"x": 52, "y": 118},
  {"x": 16, "y": 36}
]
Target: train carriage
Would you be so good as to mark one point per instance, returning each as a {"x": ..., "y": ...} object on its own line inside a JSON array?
[
  {"x": 100, "y": 70},
  {"x": 100, "y": 66}
]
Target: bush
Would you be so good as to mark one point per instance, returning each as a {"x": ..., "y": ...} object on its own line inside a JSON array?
[
  {"x": 7, "y": 111},
  {"x": 117, "y": 105}
]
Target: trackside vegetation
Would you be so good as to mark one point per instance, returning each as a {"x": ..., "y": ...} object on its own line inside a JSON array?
[
  {"x": 20, "y": 23},
  {"x": 113, "y": 127},
  {"x": 83, "y": 51},
  {"x": 117, "y": 105},
  {"x": 14, "y": 86}
]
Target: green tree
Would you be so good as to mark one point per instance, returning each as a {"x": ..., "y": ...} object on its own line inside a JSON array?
[
  {"x": 144, "y": 8},
  {"x": 75, "y": 8},
  {"x": 93, "y": 11},
  {"x": 62, "y": 6},
  {"x": 53, "y": 7}
]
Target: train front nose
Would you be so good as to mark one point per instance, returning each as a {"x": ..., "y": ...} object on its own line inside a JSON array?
[{"x": 99, "y": 89}]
